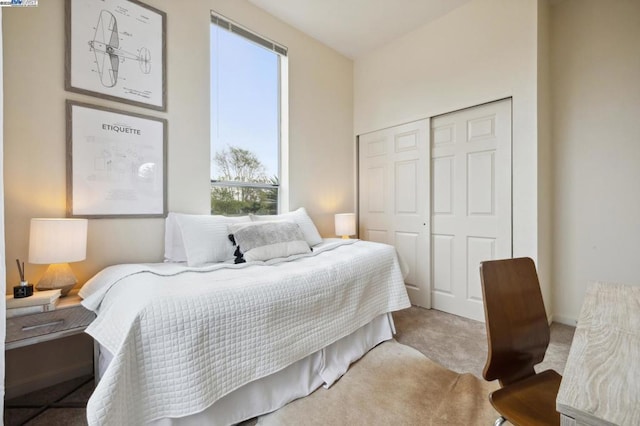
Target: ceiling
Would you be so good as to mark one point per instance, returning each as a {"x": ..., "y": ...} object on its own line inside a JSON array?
[{"x": 355, "y": 27}]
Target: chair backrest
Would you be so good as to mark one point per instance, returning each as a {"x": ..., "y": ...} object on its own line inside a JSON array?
[{"x": 516, "y": 322}]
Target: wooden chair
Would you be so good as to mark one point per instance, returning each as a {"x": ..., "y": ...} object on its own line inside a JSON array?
[{"x": 518, "y": 336}]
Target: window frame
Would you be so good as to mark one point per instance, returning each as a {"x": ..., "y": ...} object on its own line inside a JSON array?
[{"x": 281, "y": 51}]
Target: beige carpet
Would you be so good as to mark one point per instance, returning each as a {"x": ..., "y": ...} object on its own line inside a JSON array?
[{"x": 393, "y": 384}]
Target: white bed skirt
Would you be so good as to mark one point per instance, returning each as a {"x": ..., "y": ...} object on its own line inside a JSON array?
[{"x": 268, "y": 394}]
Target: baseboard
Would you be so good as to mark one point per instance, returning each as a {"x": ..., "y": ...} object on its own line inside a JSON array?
[
  {"x": 561, "y": 319},
  {"x": 48, "y": 379}
]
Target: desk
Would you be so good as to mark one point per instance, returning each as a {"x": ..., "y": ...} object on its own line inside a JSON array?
[{"x": 601, "y": 380}]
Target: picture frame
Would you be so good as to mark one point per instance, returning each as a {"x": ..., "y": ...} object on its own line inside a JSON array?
[
  {"x": 116, "y": 49},
  {"x": 116, "y": 163}
]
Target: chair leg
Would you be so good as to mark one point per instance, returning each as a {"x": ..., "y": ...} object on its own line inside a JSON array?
[{"x": 500, "y": 420}]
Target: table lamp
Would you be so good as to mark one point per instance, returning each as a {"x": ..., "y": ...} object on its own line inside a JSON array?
[
  {"x": 345, "y": 224},
  {"x": 57, "y": 242}
]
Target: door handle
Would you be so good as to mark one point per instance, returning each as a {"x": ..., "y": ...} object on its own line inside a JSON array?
[{"x": 46, "y": 324}]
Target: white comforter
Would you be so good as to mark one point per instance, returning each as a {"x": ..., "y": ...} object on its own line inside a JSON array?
[{"x": 181, "y": 338}]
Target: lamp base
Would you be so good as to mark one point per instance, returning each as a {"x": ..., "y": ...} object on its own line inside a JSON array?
[{"x": 58, "y": 275}]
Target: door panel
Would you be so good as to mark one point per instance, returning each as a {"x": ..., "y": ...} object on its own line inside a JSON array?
[
  {"x": 443, "y": 190},
  {"x": 442, "y": 265},
  {"x": 394, "y": 199},
  {"x": 408, "y": 246},
  {"x": 471, "y": 216},
  {"x": 376, "y": 180},
  {"x": 406, "y": 187},
  {"x": 377, "y": 235},
  {"x": 481, "y": 186}
]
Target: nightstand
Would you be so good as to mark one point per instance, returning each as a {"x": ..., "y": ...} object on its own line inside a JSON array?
[{"x": 69, "y": 318}]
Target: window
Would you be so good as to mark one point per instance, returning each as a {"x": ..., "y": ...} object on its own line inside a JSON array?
[{"x": 248, "y": 73}]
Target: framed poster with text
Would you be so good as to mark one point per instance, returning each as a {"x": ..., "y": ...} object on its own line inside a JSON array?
[
  {"x": 116, "y": 49},
  {"x": 116, "y": 163}
]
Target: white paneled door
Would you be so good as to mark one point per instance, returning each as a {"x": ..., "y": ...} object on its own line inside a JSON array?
[
  {"x": 471, "y": 202},
  {"x": 394, "y": 199}
]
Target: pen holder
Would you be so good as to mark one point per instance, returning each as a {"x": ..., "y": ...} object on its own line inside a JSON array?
[{"x": 23, "y": 290}]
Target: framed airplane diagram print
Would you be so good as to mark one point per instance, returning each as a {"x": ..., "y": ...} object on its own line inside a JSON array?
[{"x": 116, "y": 49}]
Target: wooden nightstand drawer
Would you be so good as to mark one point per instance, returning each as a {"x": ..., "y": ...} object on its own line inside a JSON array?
[{"x": 29, "y": 329}]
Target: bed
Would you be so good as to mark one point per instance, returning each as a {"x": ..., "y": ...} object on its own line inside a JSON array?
[{"x": 217, "y": 342}]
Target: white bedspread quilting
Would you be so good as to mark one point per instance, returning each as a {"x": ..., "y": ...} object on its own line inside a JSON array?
[{"x": 185, "y": 340}]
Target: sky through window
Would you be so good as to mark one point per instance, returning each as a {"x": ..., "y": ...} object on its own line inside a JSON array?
[{"x": 244, "y": 99}]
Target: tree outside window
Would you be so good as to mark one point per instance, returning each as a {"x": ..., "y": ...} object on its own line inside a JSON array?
[{"x": 237, "y": 165}]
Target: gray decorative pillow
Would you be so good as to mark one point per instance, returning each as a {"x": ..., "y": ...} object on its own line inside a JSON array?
[
  {"x": 300, "y": 216},
  {"x": 267, "y": 240}
]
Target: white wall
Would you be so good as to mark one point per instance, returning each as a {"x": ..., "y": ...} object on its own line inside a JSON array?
[
  {"x": 545, "y": 157},
  {"x": 483, "y": 51},
  {"x": 595, "y": 75},
  {"x": 321, "y": 130}
]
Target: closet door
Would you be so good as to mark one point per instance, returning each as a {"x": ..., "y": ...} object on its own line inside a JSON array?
[
  {"x": 393, "y": 175},
  {"x": 471, "y": 204}
]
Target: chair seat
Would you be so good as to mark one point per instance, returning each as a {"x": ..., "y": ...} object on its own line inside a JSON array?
[{"x": 531, "y": 401}]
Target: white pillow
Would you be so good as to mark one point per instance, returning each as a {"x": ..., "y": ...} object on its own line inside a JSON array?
[
  {"x": 173, "y": 245},
  {"x": 206, "y": 238},
  {"x": 300, "y": 216},
  {"x": 267, "y": 240}
]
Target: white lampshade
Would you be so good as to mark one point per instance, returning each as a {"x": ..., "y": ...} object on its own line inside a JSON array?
[
  {"x": 345, "y": 224},
  {"x": 57, "y": 240}
]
